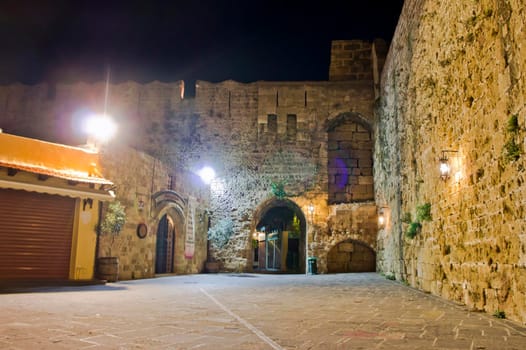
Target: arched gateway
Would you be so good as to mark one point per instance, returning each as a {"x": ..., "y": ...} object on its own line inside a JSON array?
[{"x": 278, "y": 238}]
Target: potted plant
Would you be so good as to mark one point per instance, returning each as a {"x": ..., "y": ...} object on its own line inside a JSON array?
[{"x": 110, "y": 227}]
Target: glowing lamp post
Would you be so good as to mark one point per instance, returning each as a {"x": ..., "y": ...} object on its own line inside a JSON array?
[{"x": 100, "y": 129}]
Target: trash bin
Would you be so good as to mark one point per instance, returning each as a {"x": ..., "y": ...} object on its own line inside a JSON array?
[{"x": 313, "y": 267}]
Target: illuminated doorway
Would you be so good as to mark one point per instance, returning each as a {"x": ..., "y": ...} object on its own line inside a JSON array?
[{"x": 279, "y": 239}]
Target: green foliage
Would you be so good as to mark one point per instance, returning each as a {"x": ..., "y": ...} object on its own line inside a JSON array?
[
  {"x": 390, "y": 276},
  {"x": 295, "y": 230},
  {"x": 513, "y": 124},
  {"x": 499, "y": 314},
  {"x": 406, "y": 218},
  {"x": 423, "y": 212},
  {"x": 512, "y": 150},
  {"x": 220, "y": 233},
  {"x": 413, "y": 229},
  {"x": 114, "y": 219},
  {"x": 112, "y": 223},
  {"x": 277, "y": 189}
]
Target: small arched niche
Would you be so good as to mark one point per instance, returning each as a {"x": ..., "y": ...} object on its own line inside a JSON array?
[{"x": 351, "y": 256}]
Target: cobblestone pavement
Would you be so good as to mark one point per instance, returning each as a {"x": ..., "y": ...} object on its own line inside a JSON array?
[{"x": 245, "y": 311}]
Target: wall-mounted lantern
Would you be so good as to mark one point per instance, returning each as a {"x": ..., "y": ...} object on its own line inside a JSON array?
[
  {"x": 445, "y": 167},
  {"x": 381, "y": 218},
  {"x": 383, "y": 214},
  {"x": 310, "y": 209},
  {"x": 86, "y": 202}
]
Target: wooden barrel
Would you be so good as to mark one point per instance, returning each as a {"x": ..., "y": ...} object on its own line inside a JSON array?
[{"x": 108, "y": 268}]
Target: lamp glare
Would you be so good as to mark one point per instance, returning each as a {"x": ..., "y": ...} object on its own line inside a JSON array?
[
  {"x": 444, "y": 170},
  {"x": 100, "y": 127},
  {"x": 207, "y": 174}
]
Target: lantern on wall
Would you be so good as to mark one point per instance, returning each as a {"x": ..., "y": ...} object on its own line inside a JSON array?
[
  {"x": 445, "y": 166},
  {"x": 381, "y": 218}
]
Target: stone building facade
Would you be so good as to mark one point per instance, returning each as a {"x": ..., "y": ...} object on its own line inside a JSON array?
[
  {"x": 312, "y": 140},
  {"x": 167, "y": 204},
  {"x": 158, "y": 197},
  {"x": 454, "y": 81}
]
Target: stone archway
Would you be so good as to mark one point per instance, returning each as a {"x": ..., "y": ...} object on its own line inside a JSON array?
[
  {"x": 351, "y": 256},
  {"x": 278, "y": 239},
  {"x": 169, "y": 213}
]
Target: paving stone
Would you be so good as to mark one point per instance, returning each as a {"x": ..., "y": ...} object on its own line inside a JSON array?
[{"x": 343, "y": 311}]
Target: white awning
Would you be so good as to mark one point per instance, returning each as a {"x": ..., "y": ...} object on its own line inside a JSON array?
[{"x": 61, "y": 191}]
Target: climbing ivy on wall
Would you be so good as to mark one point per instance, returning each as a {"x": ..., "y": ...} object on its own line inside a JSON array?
[
  {"x": 278, "y": 189},
  {"x": 423, "y": 213},
  {"x": 220, "y": 233}
]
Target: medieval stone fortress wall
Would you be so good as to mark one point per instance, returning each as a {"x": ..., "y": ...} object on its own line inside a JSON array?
[
  {"x": 454, "y": 80},
  {"x": 312, "y": 138}
]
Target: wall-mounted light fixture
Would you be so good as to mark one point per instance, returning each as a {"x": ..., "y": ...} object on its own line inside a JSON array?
[
  {"x": 85, "y": 202},
  {"x": 310, "y": 209},
  {"x": 381, "y": 218},
  {"x": 445, "y": 167},
  {"x": 383, "y": 214}
]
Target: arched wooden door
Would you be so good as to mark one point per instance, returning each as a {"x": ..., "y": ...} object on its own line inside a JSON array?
[{"x": 165, "y": 246}]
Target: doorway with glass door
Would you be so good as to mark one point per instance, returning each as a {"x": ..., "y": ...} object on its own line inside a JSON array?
[{"x": 277, "y": 242}]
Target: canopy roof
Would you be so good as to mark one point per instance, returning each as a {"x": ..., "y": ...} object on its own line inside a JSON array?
[
  {"x": 72, "y": 171},
  {"x": 50, "y": 159}
]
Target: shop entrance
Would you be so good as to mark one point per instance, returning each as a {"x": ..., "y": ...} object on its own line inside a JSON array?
[{"x": 279, "y": 239}]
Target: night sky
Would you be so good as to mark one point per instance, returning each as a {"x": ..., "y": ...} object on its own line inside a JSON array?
[{"x": 249, "y": 40}]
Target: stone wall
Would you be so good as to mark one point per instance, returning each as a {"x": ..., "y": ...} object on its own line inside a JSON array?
[
  {"x": 56, "y": 112},
  {"x": 454, "y": 80},
  {"x": 251, "y": 156},
  {"x": 350, "y": 164},
  {"x": 351, "y": 60},
  {"x": 138, "y": 177}
]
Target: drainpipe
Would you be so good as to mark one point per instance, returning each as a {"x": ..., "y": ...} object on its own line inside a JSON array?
[{"x": 97, "y": 242}]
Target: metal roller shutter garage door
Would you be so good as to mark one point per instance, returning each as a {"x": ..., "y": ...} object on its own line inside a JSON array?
[{"x": 35, "y": 235}]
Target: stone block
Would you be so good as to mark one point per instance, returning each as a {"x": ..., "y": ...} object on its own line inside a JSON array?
[
  {"x": 365, "y": 163},
  {"x": 365, "y": 180}
]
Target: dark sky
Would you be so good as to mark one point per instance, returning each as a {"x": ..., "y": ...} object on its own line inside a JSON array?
[{"x": 148, "y": 40}]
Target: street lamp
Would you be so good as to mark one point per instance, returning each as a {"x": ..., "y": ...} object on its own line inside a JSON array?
[{"x": 100, "y": 129}]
